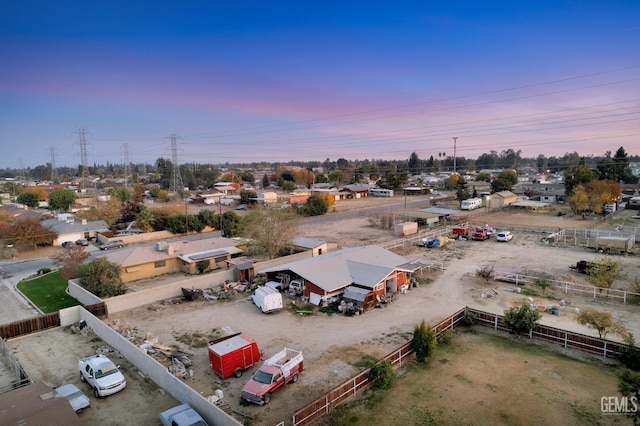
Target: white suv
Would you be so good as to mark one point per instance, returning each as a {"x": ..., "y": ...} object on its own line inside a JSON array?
[{"x": 504, "y": 236}]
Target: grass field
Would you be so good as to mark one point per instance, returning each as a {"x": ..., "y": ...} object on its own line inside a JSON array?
[
  {"x": 482, "y": 378},
  {"x": 48, "y": 292}
]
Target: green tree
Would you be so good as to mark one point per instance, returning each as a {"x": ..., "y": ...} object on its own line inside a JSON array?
[
  {"x": 29, "y": 198},
  {"x": 247, "y": 196},
  {"x": 575, "y": 176},
  {"x": 288, "y": 186},
  {"x": 483, "y": 177},
  {"x": 415, "y": 165},
  {"x": 600, "y": 321},
  {"x": 424, "y": 342},
  {"x": 542, "y": 283},
  {"x": 181, "y": 224},
  {"x": 203, "y": 265},
  {"x": 61, "y": 199},
  {"x": 265, "y": 181},
  {"x": 606, "y": 272},
  {"x": 103, "y": 279},
  {"x": 504, "y": 181},
  {"x": 629, "y": 386},
  {"x": 271, "y": 230},
  {"x": 521, "y": 319},
  {"x": 382, "y": 375},
  {"x": 145, "y": 220},
  {"x": 315, "y": 206},
  {"x": 123, "y": 194},
  {"x": 232, "y": 225},
  {"x": 209, "y": 218}
]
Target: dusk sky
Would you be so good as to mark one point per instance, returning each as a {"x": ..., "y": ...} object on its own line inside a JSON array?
[{"x": 277, "y": 81}]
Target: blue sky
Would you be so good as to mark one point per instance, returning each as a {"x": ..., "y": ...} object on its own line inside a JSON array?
[{"x": 279, "y": 81}]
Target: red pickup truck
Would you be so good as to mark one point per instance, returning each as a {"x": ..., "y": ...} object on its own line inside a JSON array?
[
  {"x": 282, "y": 368},
  {"x": 480, "y": 234}
]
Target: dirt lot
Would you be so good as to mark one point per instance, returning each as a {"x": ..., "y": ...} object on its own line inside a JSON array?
[
  {"x": 483, "y": 377},
  {"x": 332, "y": 344}
]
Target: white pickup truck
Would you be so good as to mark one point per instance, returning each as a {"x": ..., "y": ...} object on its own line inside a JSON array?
[{"x": 102, "y": 375}]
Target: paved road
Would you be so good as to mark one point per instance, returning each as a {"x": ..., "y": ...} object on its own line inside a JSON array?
[{"x": 14, "y": 306}]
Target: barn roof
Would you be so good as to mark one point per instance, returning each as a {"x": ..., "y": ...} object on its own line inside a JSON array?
[{"x": 365, "y": 265}]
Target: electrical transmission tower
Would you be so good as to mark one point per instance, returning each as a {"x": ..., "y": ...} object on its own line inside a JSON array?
[
  {"x": 54, "y": 169},
  {"x": 176, "y": 179},
  {"x": 127, "y": 168},
  {"x": 83, "y": 156}
]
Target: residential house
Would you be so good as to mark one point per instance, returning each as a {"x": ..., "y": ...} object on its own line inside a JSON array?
[
  {"x": 69, "y": 228},
  {"x": 377, "y": 270},
  {"x": 36, "y": 404},
  {"x": 146, "y": 261}
]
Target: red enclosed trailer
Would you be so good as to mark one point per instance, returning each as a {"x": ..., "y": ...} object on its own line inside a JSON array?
[{"x": 231, "y": 355}]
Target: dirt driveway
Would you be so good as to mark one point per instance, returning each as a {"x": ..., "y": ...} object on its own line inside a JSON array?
[{"x": 334, "y": 346}]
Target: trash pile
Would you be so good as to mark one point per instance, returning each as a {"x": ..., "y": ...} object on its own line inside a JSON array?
[{"x": 176, "y": 360}]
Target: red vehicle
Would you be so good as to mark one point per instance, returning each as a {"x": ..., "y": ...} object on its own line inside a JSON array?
[
  {"x": 282, "y": 368},
  {"x": 460, "y": 231},
  {"x": 231, "y": 355},
  {"x": 480, "y": 234}
]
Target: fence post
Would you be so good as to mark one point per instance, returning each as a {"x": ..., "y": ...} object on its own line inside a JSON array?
[
  {"x": 566, "y": 338},
  {"x": 624, "y": 297},
  {"x": 495, "y": 322},
  {"x": 605, "y": 349}
]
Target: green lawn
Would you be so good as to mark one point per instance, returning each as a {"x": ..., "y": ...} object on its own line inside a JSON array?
[{"x": 48, "y": 292}]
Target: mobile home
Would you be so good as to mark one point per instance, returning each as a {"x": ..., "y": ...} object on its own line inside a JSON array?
[{"x": 471, "y": 203}]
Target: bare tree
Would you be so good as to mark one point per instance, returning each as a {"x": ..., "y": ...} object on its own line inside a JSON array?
[
  {"x": 271, "y": 230},
  {"x": 69, "y": 259},
  {"x": 602, "y": 322}
]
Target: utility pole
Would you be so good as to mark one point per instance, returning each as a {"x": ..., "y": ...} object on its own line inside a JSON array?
[{"x": 455, "y": 139}]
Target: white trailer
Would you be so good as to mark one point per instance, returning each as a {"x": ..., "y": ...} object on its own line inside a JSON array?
[{"x": 471, "y": 203}]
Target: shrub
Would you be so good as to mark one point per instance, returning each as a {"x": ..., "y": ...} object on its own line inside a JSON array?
[
  {"x": 446, "y": 337},
  {"x": 630, "y": 356},
  {"x": 382, "y": 375},
  {"x": 469, "y": 318},
  {"x": 521, "y": 319},
  {"x": 424, "y": 342},
  {"x": 43, "y": 271}
]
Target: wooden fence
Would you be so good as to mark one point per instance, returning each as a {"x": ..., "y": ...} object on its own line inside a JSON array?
[
  {"x": 604, "y": 294},
  {"x": 43, "y": 322},
  {"x": 357, "y": 384},
  {"x": 354, "y": 387}
]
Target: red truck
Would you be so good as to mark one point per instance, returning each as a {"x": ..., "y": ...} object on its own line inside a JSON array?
[
  {"x": 480, "y": 234},
  {"x": 282, "y": 368},
  {"x": 231, "y": 355}
]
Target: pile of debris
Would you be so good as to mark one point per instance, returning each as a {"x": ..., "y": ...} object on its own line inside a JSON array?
[{"x": 175, "y": 360}]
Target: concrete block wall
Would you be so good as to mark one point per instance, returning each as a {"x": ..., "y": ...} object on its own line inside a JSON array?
[
  {"x": 164, "y": 292},
  {"x": 158, "y": 372},
  {"x": 78, "y": 292}
]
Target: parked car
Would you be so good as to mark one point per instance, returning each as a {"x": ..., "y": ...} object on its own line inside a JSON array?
[
  {"x": 181, "y": 415},
  {"x": 102, "y": 375},
  {"x": 82, "y": 242},
  {"x": 67, "y": 244},
  {"x": 504, "y": 236},
  {"x": 242, "y": 207},
  {"x": 112, "y": 244},
  {"x": 78, "y": 400}
]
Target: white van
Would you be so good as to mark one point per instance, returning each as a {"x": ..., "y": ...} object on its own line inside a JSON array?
[{"x": 267, "y": 299}]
